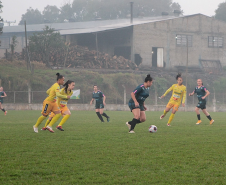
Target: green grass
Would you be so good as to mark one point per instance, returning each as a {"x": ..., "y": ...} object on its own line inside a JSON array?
[{"x": 90, "y": 152}]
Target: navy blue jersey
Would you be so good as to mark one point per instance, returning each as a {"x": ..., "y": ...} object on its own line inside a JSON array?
[
  {"x": 200, "y": 93},
  {"x": 141, "y": 93},
  {"x": 98, "y": 97},
  {"x": 2, "y": 94}
]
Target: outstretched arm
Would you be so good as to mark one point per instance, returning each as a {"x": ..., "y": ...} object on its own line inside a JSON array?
[{"x": 169, "y": 90}]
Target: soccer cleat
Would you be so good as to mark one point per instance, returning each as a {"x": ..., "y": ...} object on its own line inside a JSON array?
[
  {"x": 60, "y": 128},
  {"x": 131, "y": 132},
  {"x": 108, "y": 119},
  {"x": 35, "y": 129},
  {"x": 128, "y": 125},
  {"x": 168, "y": 125},
  {"x": 50, "y": 129},
  {"x": 211, "y": 122},
  {"x": 5, "y": 113},
  {"x": 44, "y": 128},
  {"x": 162, "y": 116},
  {"x": 199, "y": 121}
]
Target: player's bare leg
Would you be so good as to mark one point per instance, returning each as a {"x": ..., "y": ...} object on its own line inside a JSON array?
[{"x": 167, "y": 109}]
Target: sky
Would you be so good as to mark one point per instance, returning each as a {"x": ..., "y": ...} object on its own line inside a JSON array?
[{"x": 13, "y": 9}]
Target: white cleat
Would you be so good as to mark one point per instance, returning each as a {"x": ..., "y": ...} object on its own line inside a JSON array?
[
  {"x": 162, "y": 116},
  {"x": 128, "y": 125},
  {"x": 35, "y": 129},
  {"x": 50, "y": 129},
  {"x": 168, "y": 125},
  {"x": 131, "y": 132}
]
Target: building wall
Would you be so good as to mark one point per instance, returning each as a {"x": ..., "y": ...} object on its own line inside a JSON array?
[{"x": 163, "y": 34}]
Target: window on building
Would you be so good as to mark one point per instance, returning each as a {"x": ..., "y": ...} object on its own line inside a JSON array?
[
  {"x": 215, "y": 42},
  {"x": 182, "y": 40}
]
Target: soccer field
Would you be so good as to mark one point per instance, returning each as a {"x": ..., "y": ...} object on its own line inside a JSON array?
[{"x": 91, "y": 152}]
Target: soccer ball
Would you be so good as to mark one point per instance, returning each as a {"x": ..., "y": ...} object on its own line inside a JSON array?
[{"x": 152, "y": 129}]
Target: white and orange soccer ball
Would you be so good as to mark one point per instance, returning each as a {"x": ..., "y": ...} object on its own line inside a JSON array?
[{"x": 152, "y": 129}]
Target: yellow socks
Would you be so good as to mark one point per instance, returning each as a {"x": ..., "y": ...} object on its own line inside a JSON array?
[
  {"x": 65, "y": 118},
  {"x": 171, "y": 118},
  {"x": 47, "y": 122},
  {"x": 39, "y": 121},
  {"x": 54, "y": 120},
  {"x": 164, "y": 113}
]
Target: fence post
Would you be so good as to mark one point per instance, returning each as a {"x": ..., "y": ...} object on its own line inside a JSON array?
[
  {"x": 124, "y": 94},
  {"x": 14, "y": 97},
  {"x": 29, "y": 94}
]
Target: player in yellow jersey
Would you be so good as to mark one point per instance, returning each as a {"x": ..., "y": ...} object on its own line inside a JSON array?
[
  {"x": 65, "y": 112},
  {"x": 179, "y": 92},
  {"x": 50, "y": 104}
]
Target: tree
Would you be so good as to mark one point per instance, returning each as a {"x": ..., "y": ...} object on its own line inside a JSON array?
[
  {"x": 46, "y": 44},
  {"x": 32, "y": 17},
  {"x": 13, "y": 45},
  {"x": 51, "y": 14},
  {"x": 66, "y": 13},
  {"x": 1, "y": 20},
  {"x": 220, "y": 12}
]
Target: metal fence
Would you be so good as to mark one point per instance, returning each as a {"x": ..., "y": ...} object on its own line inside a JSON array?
[{"x": 38, "y": 97}]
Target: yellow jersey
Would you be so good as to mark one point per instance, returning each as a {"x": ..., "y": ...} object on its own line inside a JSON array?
[
  {"x": 179, "y": 92},
  {"x": 53, "y": 92},
  {"x": 62, "y": 102}
]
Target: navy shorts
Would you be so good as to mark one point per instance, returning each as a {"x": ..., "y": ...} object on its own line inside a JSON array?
[
  {"x": 99, "y": 106},
  {"x": 1, "y": 100},
  {"x": 132, "y": 106},
  {"x": 201, "y": 105}
]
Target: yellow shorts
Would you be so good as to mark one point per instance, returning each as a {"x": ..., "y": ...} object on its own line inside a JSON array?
[
  {"x": 62, "y": 109},
  {"x": 172, "y": 105},
  {"x": 48, "y": 107}
]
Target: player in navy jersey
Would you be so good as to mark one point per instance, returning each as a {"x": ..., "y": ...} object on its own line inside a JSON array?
[
  {"x": 2, "y": 95},
  {"x": 100, "y": 103},
  {"x": 136, "y": 103},
  {"x": 202, "y": 93}
]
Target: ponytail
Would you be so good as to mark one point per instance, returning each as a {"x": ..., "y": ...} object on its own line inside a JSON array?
[
  {"x": 178, "y": 76},
  {"x": 148, "y": 78},
  {"x": 66, "y": 84},
  {"x": 59, "y": 76}
]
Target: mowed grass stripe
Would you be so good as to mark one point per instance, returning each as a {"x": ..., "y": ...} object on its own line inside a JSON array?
[{"x": 91, "y": 152}]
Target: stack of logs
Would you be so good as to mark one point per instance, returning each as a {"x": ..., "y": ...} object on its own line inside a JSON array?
[{"x": 81, "y": 57}]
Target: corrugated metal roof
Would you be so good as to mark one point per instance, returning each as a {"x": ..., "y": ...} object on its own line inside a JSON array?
[{"x": 86, "y": 27}]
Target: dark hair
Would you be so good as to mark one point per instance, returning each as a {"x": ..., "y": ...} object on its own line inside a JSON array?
[
  {"x": 178, "y": 76},
  {"x": 66, "y": 84},
  {"x": 59, "y": 76},
  {"x": 94, "y": 85},
  {"x": 148, "y": 78}
]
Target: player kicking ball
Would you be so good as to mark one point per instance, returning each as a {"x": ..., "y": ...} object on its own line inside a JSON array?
[
  {"x": 202, "y": 93},
  {"x": 136, "y": 103},
  {"x": 179, "y": 92}
]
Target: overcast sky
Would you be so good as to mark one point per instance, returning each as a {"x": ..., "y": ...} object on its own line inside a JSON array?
[{"x": 13, "y": 9}]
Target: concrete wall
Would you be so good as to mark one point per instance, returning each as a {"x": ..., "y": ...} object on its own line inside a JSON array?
[
  {"x": 109, "y": 107},
  {"x": 163, "y": 34}
]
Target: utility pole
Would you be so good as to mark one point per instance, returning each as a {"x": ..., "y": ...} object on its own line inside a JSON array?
[
  {"x": 9, "y": 22},
  {"x": 28, "y": 56},
  {"x": 186, "y": 102},
  {"x": 131, "y": 12}
]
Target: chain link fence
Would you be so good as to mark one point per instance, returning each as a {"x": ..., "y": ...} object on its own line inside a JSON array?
[{"x": 37, "y": 97}]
